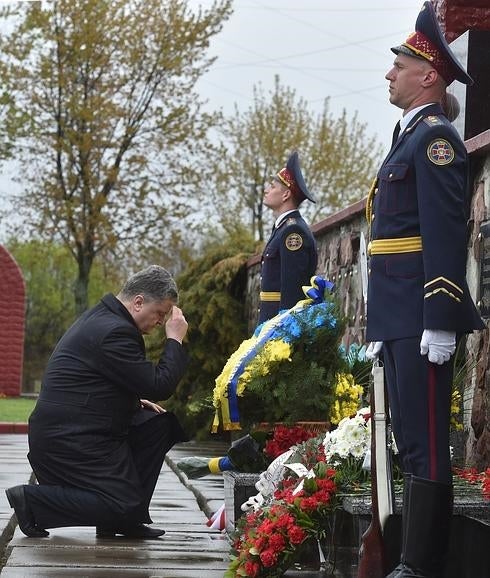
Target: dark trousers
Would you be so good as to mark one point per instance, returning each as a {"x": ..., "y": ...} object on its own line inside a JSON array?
[
  {"x": 150, "y": 437},
  {"x": 419, "y": 395}
]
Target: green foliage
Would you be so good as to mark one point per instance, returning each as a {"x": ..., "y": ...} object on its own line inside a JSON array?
[
  {"x": 301, "y": 389},
  {"x": 212, "y": 296},
  {"x": 16, "y": 409},
  {"x": 50, "y": 273},
  {"x": 350, "y": 474}
]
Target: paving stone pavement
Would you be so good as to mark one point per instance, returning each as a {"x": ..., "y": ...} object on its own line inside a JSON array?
[{"x": 189, "y": 548}]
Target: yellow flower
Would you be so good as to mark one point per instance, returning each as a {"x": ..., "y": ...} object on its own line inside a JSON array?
[
  {"x": 455, "y": 405},
  {"x": 230, "y": 368},
  {"x": 347, "y": 396},
  {"x": 272, "y": 352}
]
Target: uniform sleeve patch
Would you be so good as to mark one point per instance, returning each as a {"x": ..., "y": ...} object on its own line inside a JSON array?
[
  {"x": 291, "y": 221},
  {"x": 294, "y": 241},
  {"x": 440, "y": 152}
]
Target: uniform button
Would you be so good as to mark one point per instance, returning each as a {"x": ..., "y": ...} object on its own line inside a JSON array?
[
  {"x": 375, "y": 190},
  {"x": 390, "y": 175},
  {"x": 372, "y": 217},
  {"x": 369, "y": 271}
]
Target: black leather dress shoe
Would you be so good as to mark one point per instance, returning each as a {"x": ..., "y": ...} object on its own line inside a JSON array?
[
  {"x": 17, "y": 500},
  {"x": 139, "y": 532}
]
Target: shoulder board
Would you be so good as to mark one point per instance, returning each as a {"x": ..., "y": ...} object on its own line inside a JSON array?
[{"x": 433, "y": 120}]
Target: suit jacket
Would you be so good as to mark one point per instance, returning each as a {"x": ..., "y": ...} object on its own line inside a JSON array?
[
  {"x": 78, "y": 431},
  {"x": 421, "y": 193},
  {"x": 289, "y": 261}
]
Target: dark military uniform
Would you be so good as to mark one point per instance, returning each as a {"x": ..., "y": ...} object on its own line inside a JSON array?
[
  {"x": 290, "y": 256},
  {"x": 288, "y": 262},
  {"x": 417, "y": 282},
  {"x": 418, "y": 234}
]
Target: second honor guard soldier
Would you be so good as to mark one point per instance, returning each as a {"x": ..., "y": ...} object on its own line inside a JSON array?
[
  {"x": 418, "y": 299},
  {"x": 290, "y": 256}
]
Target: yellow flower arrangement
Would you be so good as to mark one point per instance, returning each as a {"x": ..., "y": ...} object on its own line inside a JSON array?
[
  {"x": 306, "y": 337},
  {"x": 238, "y": 369},
  {"x": 347, "y": 396},
  {"x": 230, "y": 369}
]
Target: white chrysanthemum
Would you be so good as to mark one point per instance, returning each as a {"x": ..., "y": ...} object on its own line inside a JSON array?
[{"x": 351, "y": 438}]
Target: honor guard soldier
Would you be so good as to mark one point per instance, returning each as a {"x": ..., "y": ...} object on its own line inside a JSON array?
[
  {"x": 290, "y": 256},
  {"x": 418, "y": 299}
]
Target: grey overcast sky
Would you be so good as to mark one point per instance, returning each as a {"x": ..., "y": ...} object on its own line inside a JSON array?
[{"x": 321, "y": 48}]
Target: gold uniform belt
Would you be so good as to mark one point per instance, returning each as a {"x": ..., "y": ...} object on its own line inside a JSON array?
[
  {"x": 390, "y": 246},
  {"x": 270, "y": 296}
]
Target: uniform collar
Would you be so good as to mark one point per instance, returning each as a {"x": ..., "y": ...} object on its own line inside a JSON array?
[
  {"x": 412, "y": 117},
  {"x": 420, "y": 113},
  {"x": 405, "y": 120},
  {"x": 282, "y": 216}
]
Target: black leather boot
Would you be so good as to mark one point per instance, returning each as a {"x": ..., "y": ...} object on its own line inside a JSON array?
[
  {"x": 407, "y": 478},
  {"x": 426, "y": 529}
]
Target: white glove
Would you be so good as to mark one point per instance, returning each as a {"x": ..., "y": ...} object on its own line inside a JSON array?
[
  {"x": 439, "y": 344},
  {"x": 372, "y": 352}
]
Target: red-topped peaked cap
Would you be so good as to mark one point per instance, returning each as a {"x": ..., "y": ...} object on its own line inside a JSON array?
[
  {"x": 292, "y": 178},
  {"x": 428, "y": 43}
]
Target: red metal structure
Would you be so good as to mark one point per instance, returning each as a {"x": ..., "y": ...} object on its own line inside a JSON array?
[
  {"x": 457, "y": 16},
  {"x": 12, "y": 317}
]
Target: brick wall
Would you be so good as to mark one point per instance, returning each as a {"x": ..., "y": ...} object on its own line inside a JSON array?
[
  {"x": 12, "y": 316},
  {"x": 457, "y": 16}
]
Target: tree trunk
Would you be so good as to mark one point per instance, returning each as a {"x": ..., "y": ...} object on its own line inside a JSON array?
[{"x": 81, "y": 283}]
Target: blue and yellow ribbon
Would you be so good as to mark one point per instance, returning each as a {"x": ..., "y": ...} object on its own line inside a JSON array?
[{"x": 282, "y": 329}]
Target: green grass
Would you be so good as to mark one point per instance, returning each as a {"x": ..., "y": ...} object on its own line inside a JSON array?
[{"x": 16, "y": 409}]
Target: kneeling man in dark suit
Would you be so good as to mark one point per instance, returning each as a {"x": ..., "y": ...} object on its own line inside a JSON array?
[{"x": 96, "y": 447}]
